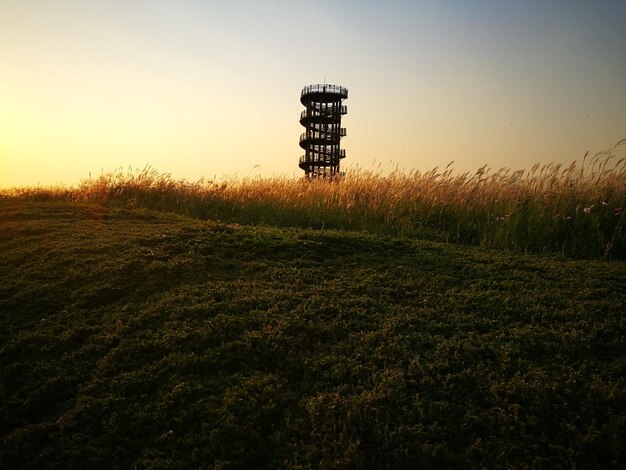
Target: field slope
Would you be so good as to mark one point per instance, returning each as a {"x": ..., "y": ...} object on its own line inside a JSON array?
[{"x": 147, "y": 340}]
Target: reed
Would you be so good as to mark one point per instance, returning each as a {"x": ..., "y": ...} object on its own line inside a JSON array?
[{"x": 577, "y": 211}]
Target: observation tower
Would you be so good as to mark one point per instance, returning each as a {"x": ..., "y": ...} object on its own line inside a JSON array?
[{"x": 322, "y": 121}]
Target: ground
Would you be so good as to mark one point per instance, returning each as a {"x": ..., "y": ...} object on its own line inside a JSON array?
[{"x": 149, "y": 340}]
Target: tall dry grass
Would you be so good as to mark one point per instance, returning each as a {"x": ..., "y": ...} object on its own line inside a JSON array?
[{"x": 577, "y": 210}]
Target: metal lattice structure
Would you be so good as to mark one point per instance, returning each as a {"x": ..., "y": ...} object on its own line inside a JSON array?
[{"x": 322, "y": 121}]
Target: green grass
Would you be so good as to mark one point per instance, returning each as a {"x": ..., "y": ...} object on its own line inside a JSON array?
[{"x": 138, "y": 339}]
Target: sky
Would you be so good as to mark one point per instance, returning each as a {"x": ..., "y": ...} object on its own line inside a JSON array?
[{"x": 212, "y": 88}]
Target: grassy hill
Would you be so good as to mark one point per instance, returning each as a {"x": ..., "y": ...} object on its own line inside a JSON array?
[{"x": 134, "y": 338}]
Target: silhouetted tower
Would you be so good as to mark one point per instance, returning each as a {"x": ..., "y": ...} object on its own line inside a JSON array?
[{"x": 322, "y": 120}]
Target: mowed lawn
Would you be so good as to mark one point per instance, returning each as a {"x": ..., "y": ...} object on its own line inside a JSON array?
[{"x": 138, "y": 339}]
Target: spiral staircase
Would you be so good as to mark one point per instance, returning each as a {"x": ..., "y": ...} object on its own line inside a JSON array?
[{"x": 323, "y": 132}]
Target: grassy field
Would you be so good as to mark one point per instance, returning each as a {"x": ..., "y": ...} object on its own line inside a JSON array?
[
  {"x": 135, "y": 338},
  {"x": 577, "y": 211}
]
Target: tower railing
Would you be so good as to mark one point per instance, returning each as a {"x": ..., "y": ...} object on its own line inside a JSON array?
[
  {"x": 323, "y": 135},
  {"x": 324, "y": 112},
  {"x": 324, "y": 88}
]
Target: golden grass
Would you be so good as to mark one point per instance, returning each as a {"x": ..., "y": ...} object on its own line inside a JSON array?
[{"x": 575, "y": 210}]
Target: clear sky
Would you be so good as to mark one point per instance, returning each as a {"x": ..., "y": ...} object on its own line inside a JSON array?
[{"x": 211, "y": 88}]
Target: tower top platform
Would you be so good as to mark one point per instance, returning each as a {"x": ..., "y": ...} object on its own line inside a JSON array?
[{"x": 323, "y": 93}]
